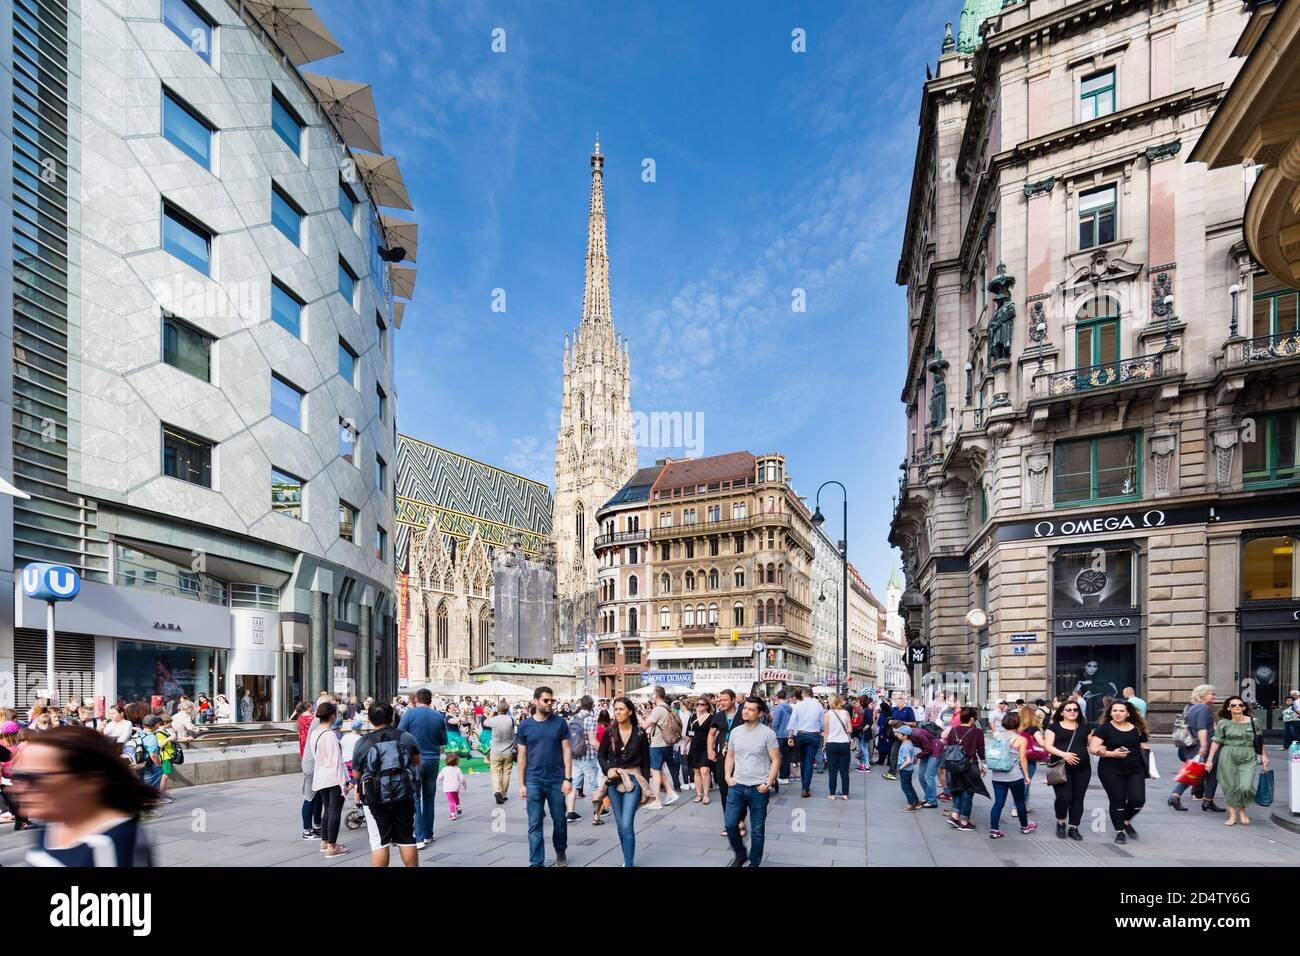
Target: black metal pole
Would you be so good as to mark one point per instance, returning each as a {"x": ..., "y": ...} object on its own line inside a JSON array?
[{"x": 844, "y": 596}]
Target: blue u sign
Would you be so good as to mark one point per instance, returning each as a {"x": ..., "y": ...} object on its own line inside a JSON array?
[{"x": 50, "y": 582}]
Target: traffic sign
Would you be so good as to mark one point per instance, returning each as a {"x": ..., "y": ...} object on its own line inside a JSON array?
[{"x": 50, "y": 582}]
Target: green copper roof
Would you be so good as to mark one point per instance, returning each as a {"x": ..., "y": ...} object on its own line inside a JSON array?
[
  {"x": 973, "y": 15},
  {"x": 894, "y": 582}
]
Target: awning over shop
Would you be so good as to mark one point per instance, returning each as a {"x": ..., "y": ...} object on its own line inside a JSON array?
[{"x": 717, "y": 686}]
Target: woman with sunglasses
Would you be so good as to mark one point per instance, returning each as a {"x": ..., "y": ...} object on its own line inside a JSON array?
[
  {"x": 697, "y": 732},
  {"x": 1234, "y": 752},
  {"x": 1121, "y": 741},
  {"x": 1066, "y": 739},
  {"x": 76, "y": 784},
  {"x": 624, "y": 757}
]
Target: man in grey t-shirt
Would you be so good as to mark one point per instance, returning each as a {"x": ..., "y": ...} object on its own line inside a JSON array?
[
  {"x": 502, "y": 757},
  {"x": 753, "y": 760}
]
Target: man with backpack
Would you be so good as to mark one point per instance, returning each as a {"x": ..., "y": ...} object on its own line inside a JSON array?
[
  {"x": 665, "y": 729},
  {"x": 386, "y": 764},
  {"x": 583, "y": 746},
  {"x": 429, "y": 728}
]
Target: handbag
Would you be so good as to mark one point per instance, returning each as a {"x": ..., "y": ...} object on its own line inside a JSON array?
[
  {"x": 1264, "y": 789},
  {"x": 1057, "y": 769},
  {"x": 1192, "y": 772},
  {"x": 1182, "y": 736}
]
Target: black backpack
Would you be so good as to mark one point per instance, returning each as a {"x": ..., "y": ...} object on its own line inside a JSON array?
[
  {"x": 955, "y": 759},
  {"x": 387, "y": 774}
]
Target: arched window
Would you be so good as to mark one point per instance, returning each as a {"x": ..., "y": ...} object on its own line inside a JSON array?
[
  {"x": 690, "y": 581},
  {"x": 443, "y": 639},
  {"x": 738, "y": 615},
  {"x": 713, "y": 579},
  {"x": 771, "y": 611},
  {"x": 771, "y": 539},
  {"x": 713, "y": 614},
  {"x": 780, "y": 574},
  {"x": 665, "y": 619},
  {"x": 580, "y": 528},
  {"x": 665, "y": 584},
  {"x": 780, "y": 613},
  {"x": 771, "y": 505},
  {"x": 771, "y": 573},
  {"x": 740, "y": 577},
  {"x": 632, "y": 586},
  {"x": 761, "y": 618},
  {"x": 631, "y": 619},
  {"x": 688, "y": 616},
  {"x": 484, "y": 636}
]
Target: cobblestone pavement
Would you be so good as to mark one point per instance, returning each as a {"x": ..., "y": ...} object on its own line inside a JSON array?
[
  {"x": 257, "y": 823},
  {"x": 1166, "y": 837}
]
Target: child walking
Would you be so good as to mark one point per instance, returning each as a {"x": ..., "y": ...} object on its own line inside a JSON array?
[
  {"x": 907, "y": 764},
  {"x": 453, "y": 783}
]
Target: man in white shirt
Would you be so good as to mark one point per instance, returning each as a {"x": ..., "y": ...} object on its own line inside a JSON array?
[
  {"x": 804, "y": 735},
  {"x": 996, "y": 714}
]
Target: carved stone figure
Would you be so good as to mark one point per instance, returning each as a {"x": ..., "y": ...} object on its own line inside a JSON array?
[
  {"x": 1003, "y": 323},
  {"x": 939, "y": 391}
]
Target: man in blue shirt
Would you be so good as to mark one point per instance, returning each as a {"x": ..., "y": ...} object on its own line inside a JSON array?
[
  {"x": 429, "y": 728},
  {"x": 545, "y": 775},
  {"x": 780, "y": 722}
]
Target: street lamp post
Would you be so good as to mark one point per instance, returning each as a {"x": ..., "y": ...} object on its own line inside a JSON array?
[
  {"x": 817, "y": 519},
  {"x": 821, "y": 597}
]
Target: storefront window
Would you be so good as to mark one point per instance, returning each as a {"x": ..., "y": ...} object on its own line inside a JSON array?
[
  {"x": 1095, "y": 671},
  {"x": 1099, "y": 578},
  {"x": 1268, "y": 569},
  {"x": 167, "y": 671}
]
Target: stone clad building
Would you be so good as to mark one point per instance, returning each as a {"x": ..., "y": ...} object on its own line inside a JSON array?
[{"x": 1101, "y": 383}]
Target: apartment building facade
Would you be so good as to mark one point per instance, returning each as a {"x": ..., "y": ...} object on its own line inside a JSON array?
[{"x": 1101, "y": 382}]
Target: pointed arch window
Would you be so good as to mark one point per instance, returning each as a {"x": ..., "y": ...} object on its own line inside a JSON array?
[
  {"x": 713, "y": 614},
  {"x": 444, "y": 641},
  {"x": 580, "y": 528},
  {"x": 738, "y": 615},
  {"x": 690, "y": 581},
  {"x": 632, "y": 586},
  {"x": 688, "y": 616},
  {"x": 713, "y": 579},
  {"x": 632, "y": 620},
  {"x": 665, "y": 584},
  {"x": 665, "y": 619},
  {"x": 761, "y": 619},
  {"x": 740, "y": 577}
]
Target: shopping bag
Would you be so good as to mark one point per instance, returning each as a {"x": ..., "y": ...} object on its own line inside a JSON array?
[
  {"x": 1152, "y": 772},
  {"x": 1191, "y": 773},
  {"x": 1264, "y": 789}
]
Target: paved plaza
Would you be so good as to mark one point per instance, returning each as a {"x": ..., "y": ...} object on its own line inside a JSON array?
[{"x": 1166, "y": 837}]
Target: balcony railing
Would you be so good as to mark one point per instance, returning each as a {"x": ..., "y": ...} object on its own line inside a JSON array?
[
  {"x": 621, "y": 537},
  {"x": 1091, "y": 377},
  {"x": 1264, "y": 348},
  {"x": 726, "y": 526}
]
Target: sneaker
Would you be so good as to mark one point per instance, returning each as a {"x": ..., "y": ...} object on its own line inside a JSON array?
[
  {"x": 861, "y": 769},
  {"x": 421, "y": 844},
  {"x": 673, "y": 799},
  {"x": 656, "y": 805},
  {"x": 946, "y": 797},
  {"x": 1030, "y": 827},
  {"x": 911, "y": 807},
  {"x": 967, "y": 827},
  {"x": 783, "y": 780},
  {"x": 891, "y": 776},
  {"x": 955, "y": 824},
  {"x": 315, "y": 833},
  {"x": 996, "y": 834},
  {"x": 928, "y": 806},
  {"x": 1075, "y": 835},
  {"x": 571, "y": 817},
  {"x": 1121, "y": 838},
  {"x": 1060, "y": 830},
  {"x": 308, "y": 835},
  {"x": 560, "y": 860},
  {"x": 1132, "y": 834}
]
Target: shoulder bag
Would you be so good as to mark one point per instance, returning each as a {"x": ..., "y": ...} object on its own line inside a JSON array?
[{"x": 1057, "y": 769}]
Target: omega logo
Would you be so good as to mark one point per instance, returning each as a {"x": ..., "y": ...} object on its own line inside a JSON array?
[
  {"x": 1095, "y": 623},
  {"x": 1295, "y": 615},
  {"x": 1149, "y": 519}
]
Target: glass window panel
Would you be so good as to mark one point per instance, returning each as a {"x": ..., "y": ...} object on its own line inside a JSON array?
[
  {"x": 286, "y": 494},
  {"x": 1083, "y": 346},
  {"x": 286, "y": 124},
  {"x": 1097, "y": 82},
  {"x": 1105, "y": 226},
  {"x": 286, "y": 310},
  {"x": 187, "y": 457},
  {"x": 187, "y": 348},
  {"x": 347, "y": 442},
  {"x": 1285, "y": 313},
  {"x": 186, "y": 241},
  {"x": 1116, "y": 466},
  {"x": 1072, "y": 472},
  {"x": 1107, "y": 342},
  {"x": 1254, "y": 457},
  {"x": 285, "y": 217},
  {"x": 381, "y": 473},
  {"x": 186, "y": 131},
  {"x": 1284, "y": 436},
  {"x": 1096, "y": 199},
  {"x": 1263, "y": 318},
  {"x": 381, "y": 543},
  {"x": 347, "y": 205},
  {"x": 1268, "y": 569},
  {"x": 347, "y": 283},
  {"x": 286, "y": 402},
  {"x": 347, "y": 362},
  {"x": 191, "y": 26},
  {"x": 347, "y": 521}
]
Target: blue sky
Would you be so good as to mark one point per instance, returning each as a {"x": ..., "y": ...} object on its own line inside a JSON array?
[{"x": 774, "y": 170}]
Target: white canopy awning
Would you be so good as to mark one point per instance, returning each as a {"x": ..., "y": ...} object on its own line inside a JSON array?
[{"x": 717, "y": 686}]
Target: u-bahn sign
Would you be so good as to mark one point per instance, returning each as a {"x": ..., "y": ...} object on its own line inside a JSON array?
[{"x": 50, "y": 582}]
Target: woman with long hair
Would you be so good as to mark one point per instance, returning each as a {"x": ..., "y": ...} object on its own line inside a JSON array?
[
  {"x": 837, "y": 728},
  {"x": 697, "y": 732},
  {"x": 75, "y": 782},
  {"x": 1123, "y": 746},
  {"x": 328, "y": 777},
  {"x": 624, "y": 757},
  {"x": 1066, "y": 739},
  {"x": 1234, "y": 752}
]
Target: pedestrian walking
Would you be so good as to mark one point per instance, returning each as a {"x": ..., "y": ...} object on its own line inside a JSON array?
[
  {"x": 430, "y": 730},
  {"x": 1007, "y": 756},
  {"x": 1235, "y": 752},
  {"x": 697, "y": 733},
  {"x": 1070, "y": 771},
  {"x": 664, "y": 730},
  {"x": 805, "y": 735},
  {"x": 725, "y": 719},
  {"x": 329, "y": 778},
  {"x": 837, "y": 732},
  {"x": 546, "y": 776},
  {"x": 1192, "y": 734},
  {"x": 501, "y": 758},
  {"x": 1122, "y": 744},
  {"x": 386, "y": 767},
  {"x": 624, "y": 758},
  {"x": 453, "y": 782},
  {"x": 780, "y": 726},
  {"x": 753, "y": 762},
  {"x": 583, "y": 744},
  {"x": 74, "y": 780},
  {"x": 963, "y": 760}
]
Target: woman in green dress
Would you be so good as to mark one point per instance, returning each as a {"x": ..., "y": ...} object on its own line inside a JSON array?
[{"x": 1233, "y": 757}]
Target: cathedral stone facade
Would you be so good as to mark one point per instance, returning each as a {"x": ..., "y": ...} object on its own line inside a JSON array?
[{"x": 594, "y": 450}]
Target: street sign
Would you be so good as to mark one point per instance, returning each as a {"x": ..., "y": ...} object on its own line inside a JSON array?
[
  {"x": 50, "y": 582},
  {"x": 1020, "y": 649},
  {"x": 1023, "y": 638}
]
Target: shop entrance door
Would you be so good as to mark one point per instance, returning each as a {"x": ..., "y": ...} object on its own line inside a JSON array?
[
  {"x": 1272, "y": 671},
  {"x": 253, "y": 697}
]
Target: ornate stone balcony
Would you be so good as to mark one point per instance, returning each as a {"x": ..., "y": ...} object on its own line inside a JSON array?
[{"x": 1143, "y": 368}]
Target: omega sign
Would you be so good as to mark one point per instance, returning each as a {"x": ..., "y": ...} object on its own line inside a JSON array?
[
  {"x": 1128, "y": 522},
  {"x": 1095, "y": 624}
]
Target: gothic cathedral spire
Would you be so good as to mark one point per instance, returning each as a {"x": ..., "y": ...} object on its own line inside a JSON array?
[{"x": 594, "y": 451}]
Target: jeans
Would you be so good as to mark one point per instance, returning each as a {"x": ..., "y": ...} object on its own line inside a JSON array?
[
  {"x": 674, "y": 766},
  {"x": 927, "y": 767},
  {"x": 962, "y": 802},
  {"x": 1290, "y": 732},
  {"x": 552, "y": 796},
  {"x": 806, "y": 747},
  {"x": 909, "y": 791},
  {"x": 837, "y": 762},
  {"x": 426, "y": 807},
  {"x": 786, "y": 753},
  {"x": 625, "y": 807},
  {"x": 586, "y": 774},
  {"x": 1209, "y": 783},
  {"x": 739, "y": 798},
  {"x": 1017, "y": 790},
  {"x": 311, "y": 812}
]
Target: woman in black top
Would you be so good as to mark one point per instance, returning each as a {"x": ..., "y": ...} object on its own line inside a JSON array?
[
  {"x": 966, "y": 784},
  {"x": 697, "y": 731},
  {"x": 624, "y": 757},
  {"x": 1121, "y": 742},
  {"x": 1066, "y": 739}
]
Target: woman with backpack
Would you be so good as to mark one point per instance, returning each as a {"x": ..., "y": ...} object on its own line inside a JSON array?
[
  {"x": 625, "y": 762},
  {"x": 1121, "y": 741},
  {"x": 963, "y": 759},
  {"x": 1237, "y": 747},
  {"x": 1066, "y": 739},
  {"x": 328, "y": 777},
  {"x": 1007, "y": 756}
]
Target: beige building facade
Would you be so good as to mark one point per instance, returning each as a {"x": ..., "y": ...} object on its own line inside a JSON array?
[{"x": 1101, "y": 379}]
